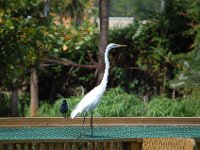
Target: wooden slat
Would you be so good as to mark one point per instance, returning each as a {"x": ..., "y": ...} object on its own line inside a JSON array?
[
  {"x": 108, "y": 146},
  {"x": 57, "y": 146},
  {"x": 37, "y": 146},
  {"x": 92, "y": 146},
  {"x": 100, "y": 145},
  {"x": 107, "y": 121},
  {"x": 115, "y": 145},
  {"x": 69, "y": 146}
]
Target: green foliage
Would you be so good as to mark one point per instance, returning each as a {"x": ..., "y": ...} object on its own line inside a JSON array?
[
  {"x": 136, "y": 8},
  {"x": 5, "y": 104},
  {"x": 27, "y": 37},
  {"x": 147, "y": 59},
  {"x": 48, "y": 110},
  {"x": 191, "y": 106},
  {"x": 161, "y": 107},
  {"x": 156, "y": 48},
  {"x": 73, "y": 9},
  {"x": 5, "y": 107},
  {"x": 75, "y": 44},
  {"x": 189, "y": 78},
  {"x": 165, "y": 107},
  {"x": 21, "y": 40},
  {"x": 117, "y": 103}
]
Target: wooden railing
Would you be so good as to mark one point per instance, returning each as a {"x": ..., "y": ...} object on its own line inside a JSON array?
[
  {"x": 54, "y": 144},
  {"x": 100, "y": 121}
]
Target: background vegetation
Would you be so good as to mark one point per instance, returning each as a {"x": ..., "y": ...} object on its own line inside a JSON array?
[{"x": 156, "y": 75}]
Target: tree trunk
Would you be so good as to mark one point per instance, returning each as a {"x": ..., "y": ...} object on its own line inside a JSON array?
[
  {"x": 47, "y": 7},
  {"x": 14, "y": 103},
  {"x": 34, "y": 92},
  {"x": 103, "y": 39}
]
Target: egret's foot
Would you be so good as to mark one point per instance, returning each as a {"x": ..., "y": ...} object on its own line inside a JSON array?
[
  {"x": 81, "y": 134},
  {"x": 92, "y": 131}
]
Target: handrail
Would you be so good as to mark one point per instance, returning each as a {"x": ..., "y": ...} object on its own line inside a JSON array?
[{"x": 99, "y": 121}]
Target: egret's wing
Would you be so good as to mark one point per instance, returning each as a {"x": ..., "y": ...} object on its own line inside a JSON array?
[{"x": 89, "y": 102}]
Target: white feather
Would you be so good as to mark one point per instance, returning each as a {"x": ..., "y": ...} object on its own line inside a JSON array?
[{"x": 89, "y": 101}]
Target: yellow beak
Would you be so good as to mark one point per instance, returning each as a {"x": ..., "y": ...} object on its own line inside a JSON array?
[{"x": 120, "y": 45}]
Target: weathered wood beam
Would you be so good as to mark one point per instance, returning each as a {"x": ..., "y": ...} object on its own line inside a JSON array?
[{"x": 100, "y": 121}]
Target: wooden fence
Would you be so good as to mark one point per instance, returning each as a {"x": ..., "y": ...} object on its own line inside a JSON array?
[{"x": 117, "y": 144}]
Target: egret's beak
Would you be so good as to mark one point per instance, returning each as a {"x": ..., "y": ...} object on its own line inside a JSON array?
[{"x": 119, "y": 45}]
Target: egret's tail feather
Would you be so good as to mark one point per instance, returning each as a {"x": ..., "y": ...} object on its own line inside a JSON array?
[{"x": 74, "y": 113}]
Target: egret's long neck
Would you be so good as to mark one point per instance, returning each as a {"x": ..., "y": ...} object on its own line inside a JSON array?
[{"x": 106, "y": 72}]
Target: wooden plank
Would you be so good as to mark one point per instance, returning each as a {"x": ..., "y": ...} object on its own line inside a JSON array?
[
  {"x": 3, "y": 146},
  {"x": 100, "y": 145},
  {"x": 37, "y": 146},
  {"x": 197, "y": 145},
  {"x": 29, "y": 146},
  {"x": 92, "y": 146},
  {"x": 130, "y": 146},
  {"x": 115, "y": 145},
  {"x": 69, "y": 146},
  {"x": 58, "y": 146},
  {"x": 107, "y": 121},
  {"x": 108, "y": 146}
]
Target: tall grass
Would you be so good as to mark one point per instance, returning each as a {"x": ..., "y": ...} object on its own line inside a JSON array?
[
  {"x": 118, "y": 103},
  {"x": 52, "y": 110}
]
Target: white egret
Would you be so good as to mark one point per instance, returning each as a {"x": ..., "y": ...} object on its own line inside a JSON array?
[{"x": 92, "y": 99}]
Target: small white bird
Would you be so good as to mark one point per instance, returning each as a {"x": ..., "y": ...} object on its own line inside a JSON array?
[{"x": 92, "y": 99}]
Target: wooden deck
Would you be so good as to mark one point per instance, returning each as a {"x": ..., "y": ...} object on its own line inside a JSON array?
[{"x": 18, "y": 123}]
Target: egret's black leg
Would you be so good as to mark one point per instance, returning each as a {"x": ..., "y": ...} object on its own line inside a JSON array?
[
  {"x": 82, "y": 124},
  {"x": 83, "y": 121},
  {"x": 91, "y": 120},
  {"x": 91, "y": 123}
]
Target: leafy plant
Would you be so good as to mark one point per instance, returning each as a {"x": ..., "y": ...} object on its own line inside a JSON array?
[{"x": 118, "y": 103}]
